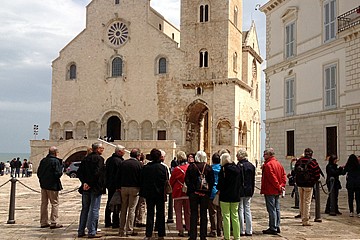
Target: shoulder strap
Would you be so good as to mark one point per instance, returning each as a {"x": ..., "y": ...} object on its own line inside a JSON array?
[
  {"x": 180, "y": 169},
  {"x": 203, "y": 169}
]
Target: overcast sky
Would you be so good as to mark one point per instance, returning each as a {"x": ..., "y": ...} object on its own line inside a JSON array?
[{"x": 32, "y": 32}]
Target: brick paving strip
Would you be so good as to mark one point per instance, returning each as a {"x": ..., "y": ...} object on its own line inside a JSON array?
[{"x": 27, "y": 215}]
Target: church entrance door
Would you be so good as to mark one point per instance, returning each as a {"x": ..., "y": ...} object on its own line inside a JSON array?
[{"x": 113, "y": 129}]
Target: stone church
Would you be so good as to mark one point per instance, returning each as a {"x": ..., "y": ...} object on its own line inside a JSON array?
[{"x": 133, "y": 77}]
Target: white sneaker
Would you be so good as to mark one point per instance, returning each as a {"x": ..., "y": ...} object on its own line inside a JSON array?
[{"x": 351, "y": 214}]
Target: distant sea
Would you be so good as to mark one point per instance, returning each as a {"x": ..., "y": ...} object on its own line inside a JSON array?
[{"x": 4, "y": 157}]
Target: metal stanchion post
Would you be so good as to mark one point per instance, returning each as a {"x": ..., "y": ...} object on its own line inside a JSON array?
[
  {"x": 332, "y": 197},
  {"x": 170, "y": 210},
  {"x": 12, "y": 202},
  {"x": 317, "y": 203}
]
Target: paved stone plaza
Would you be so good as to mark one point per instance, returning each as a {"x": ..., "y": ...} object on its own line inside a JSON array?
[{"x": 27, "y": 224}]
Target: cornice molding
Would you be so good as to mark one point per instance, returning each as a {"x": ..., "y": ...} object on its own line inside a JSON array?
[{"x": 271, "y": 5}]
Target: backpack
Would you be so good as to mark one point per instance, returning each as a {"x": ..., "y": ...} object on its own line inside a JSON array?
[
  {"x": 201, "y": 183},
  {"x": 302, "y": 173}
]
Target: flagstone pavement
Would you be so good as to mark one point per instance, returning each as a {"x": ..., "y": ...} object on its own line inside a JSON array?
[{"x": 27, "y": 209}]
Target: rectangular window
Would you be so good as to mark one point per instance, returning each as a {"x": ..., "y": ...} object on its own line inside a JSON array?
[
  {"x": 161, "y": 135},
  {"x": 68, "y": 135},
  {"x": 290, "y": 143},
  {"x": 330, "y": 74},
  {"x": 117, "y": 1},
  {"x": 290, "y": 40},
  {"x": 329, "y": 20},
  {"x": 289, "y": 96}
]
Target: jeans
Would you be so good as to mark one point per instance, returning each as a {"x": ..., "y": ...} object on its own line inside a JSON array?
[
  {"x": 244, "y": 210},
  {"x": 351, "y": 192},
  {"x": 230, "y": 212},
  {"x": 89, "y": 215},
  {"x": 195, "y": 200},
  {"x": 305, "y": 203},
  {"x": 160, "y": 216},
  {"x": 273, "y": 208},
  {"x": 129, "y": 200}
]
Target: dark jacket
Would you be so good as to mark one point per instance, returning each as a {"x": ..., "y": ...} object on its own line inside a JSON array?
[
  {"x": 332, "y": 170},
  {"x": 153, "y": 177},
  {"x": 229, "y": 183},
  {"x": 247, "y": 178},
  {"x": 113, "y": 166},
  {"x": 131, "y": 173},
  {"x": 49, "y": 173},
  {"x": 192, "y": 175},
  {"x": 92, "y": 172},
  {"x": 313, "y": 169},
  {"x": 353, "y": 177}
]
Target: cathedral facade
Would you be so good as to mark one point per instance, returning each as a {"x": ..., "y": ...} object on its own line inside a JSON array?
[{"x": 130, "y": 75}]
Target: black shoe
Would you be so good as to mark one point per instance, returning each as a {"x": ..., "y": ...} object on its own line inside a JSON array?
[
  {"x": 140, "y": 225},
  {"x": 338, "y": 213},
  {"x": 278, "y": 230},
  {"x": 45, "y": 226},
  {"x": 211, "y": 234},
  {"x": 298, "y": 216},
  {"x": 81, "y": 235},
  {"x": 269, "y": 231},
  {"x": 132, "y": 234},
  {"x": 327, "y": 211},
  {"x": 53, "y": 226}
]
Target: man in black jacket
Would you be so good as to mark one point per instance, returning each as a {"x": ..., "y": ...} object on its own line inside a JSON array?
[
  {"x": 113, "y": 166},
  {"x": 49, "y": 173},
  {"x": 130, "y": 187},
  {"x": 91, "y": 173}
]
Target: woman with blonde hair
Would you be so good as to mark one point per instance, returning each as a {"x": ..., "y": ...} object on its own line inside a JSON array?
[{"x": 229, "y": 188}]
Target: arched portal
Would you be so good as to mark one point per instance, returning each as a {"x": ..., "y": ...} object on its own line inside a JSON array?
[
  {"x": 198, "y": 133},
  {"x": 75, "y": 157},
  {"x": 113, "y": 129}
]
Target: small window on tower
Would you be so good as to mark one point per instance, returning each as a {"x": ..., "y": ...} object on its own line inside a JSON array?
[
  {"x": 117, "y": 1},
  {"x": 199, "y": 91},
  {"x": 160, "y": 27}
]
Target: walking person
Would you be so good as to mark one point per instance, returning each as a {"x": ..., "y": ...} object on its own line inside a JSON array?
[
  {"x": 352, "y": 171},
  {"x": 49, "y": 174},
  {"x": 199, "y": 180},
  {"x": 333, "y": 171},
  {"x": 307, "y": 173},
  {"x": 113, "y": 167},
  {"x": 229, "y": 190},
  {"x": 91, "y": 174},
  {"x": 153, "y": 178},
  {"x": 181, "y": 200},
  {"x": 247, "y": 187},
  {"x": 273, "y": 182},
  {"x": 215, "y": 215}
]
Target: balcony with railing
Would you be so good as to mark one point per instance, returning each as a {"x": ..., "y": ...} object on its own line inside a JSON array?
[{"x": 349, "y": 19}]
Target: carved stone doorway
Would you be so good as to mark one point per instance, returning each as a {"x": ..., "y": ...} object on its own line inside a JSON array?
[{"x": 198, "y": 125}]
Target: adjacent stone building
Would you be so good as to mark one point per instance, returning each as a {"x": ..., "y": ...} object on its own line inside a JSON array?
[
  {"x": 313, "y": 77},
  {"x": 131, "y": 76}
]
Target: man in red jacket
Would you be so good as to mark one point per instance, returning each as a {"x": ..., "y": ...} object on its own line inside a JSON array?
[{"x": 273, "y": 182}]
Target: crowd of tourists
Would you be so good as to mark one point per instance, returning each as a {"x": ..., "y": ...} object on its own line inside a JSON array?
[
  {"x": 140, "y": 186},
  {"x": 16, "y": 168}
]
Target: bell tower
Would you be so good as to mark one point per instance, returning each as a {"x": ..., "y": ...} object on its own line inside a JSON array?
[{"x": 211, "y": 35}]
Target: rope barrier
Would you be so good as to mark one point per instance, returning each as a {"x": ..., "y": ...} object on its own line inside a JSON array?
[
  {"x": 4, "y": 183},
  {"x": 34, "y": 190},
  {"x": 37, "y": 191}
]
